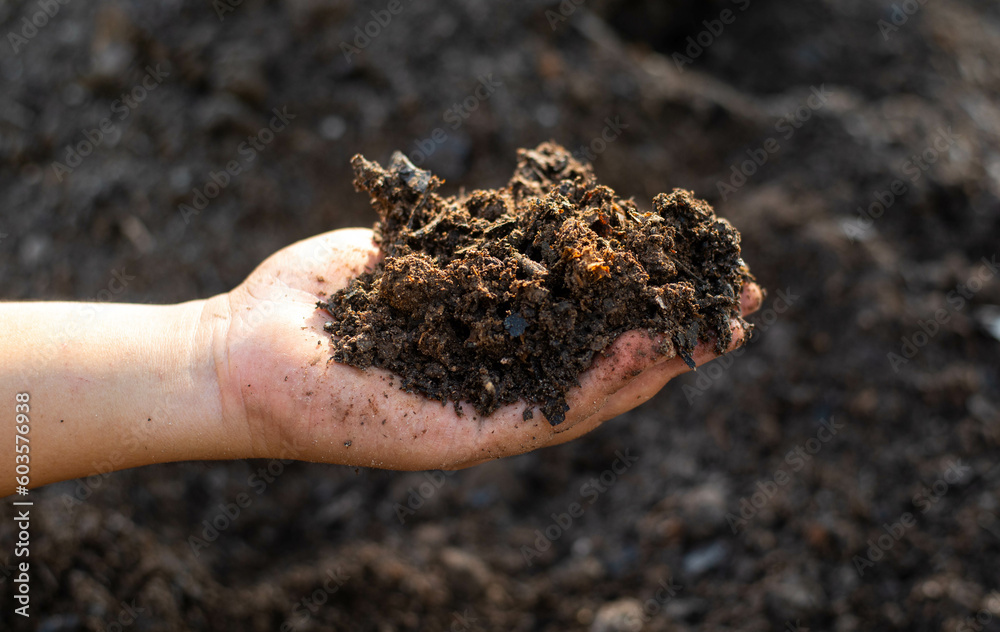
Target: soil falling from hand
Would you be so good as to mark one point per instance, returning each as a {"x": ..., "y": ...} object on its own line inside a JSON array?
[{"x": 502, "y": 295}]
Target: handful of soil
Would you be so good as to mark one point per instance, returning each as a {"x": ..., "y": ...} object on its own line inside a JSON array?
[{"x": 500, "y": 295}]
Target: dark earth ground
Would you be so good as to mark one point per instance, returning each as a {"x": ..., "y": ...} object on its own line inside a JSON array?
[{"x": 915, "y": 449}]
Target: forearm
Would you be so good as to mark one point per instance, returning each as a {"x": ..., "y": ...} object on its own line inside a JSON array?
[{"x": 111, "y": 387}]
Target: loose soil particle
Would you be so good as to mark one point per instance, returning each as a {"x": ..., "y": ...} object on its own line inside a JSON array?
[{"x": 503, "y": 295}]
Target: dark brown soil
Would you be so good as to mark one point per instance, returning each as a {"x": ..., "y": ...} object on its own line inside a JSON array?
[{"x": 507, "y": 294}]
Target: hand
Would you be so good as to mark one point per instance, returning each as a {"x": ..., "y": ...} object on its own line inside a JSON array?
[{"x": 278, "y": 382}]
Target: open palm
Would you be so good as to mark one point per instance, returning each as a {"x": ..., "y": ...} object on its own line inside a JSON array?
[{"x": 277, "y": 379}]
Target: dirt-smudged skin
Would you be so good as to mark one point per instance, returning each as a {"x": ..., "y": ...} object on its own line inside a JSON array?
[{"x": 502, "y": 295}]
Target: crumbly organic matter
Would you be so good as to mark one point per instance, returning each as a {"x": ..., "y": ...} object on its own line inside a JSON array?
[{"x": 502, "y": 295}]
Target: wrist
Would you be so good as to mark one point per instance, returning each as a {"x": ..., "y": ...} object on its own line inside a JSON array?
[{"x": 212, "y": 367}]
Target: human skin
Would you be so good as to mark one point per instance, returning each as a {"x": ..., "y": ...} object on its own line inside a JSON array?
[{"x": 247, "y": 374}]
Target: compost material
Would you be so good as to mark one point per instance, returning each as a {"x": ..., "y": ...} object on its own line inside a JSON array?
[{"x": 508, "y": 294}]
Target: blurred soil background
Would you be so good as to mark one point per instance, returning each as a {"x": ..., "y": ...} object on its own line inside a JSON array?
[{"x": 891, "y": 523}]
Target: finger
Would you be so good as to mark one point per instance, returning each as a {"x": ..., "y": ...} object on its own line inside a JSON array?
[
  {"x": 506, "y": 432},
  {"x": 643, "y": 387},
  {"x": 650, "y": 382},
  {"x": 467, "y": 465},
  {"x": 631, "y": 375},
  {"x": 751, "y": 297},
  {"x": 629, "y": 356},
  {"x": 638, "y": 352}
]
